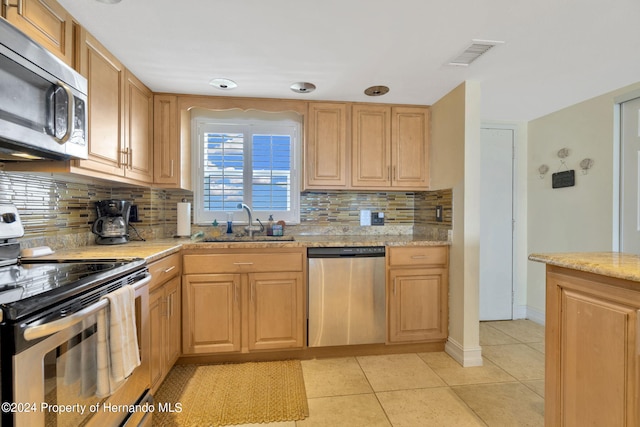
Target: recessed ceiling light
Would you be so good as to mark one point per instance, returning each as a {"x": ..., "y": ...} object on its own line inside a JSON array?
[
  {"x": 224, "y": 84},
  {"x": 303, "y": 87},
  {"x": 109, "y": 1},
  {"x": 376, "y": 90},
  {"x": 473, "y": 52}
]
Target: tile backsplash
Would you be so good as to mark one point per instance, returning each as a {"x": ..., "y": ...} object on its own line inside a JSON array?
[{"x": 58, "y": 210}]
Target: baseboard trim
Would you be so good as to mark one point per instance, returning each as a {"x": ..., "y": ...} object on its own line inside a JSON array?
[
  {"x": 519, "y": 312},
  {"x": 536, "y": 315},
  {"x": 466, "y": 357}
]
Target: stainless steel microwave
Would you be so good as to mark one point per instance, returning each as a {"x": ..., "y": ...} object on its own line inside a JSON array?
[{"x": 43, "y": 102}]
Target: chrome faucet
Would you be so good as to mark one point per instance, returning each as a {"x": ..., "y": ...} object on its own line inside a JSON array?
[{"x": 250, "y": 229}]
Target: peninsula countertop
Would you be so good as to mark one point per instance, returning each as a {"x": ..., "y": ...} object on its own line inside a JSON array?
[
  {"x": 612, "y": 264},
  {"x": 153, "y": 250}
]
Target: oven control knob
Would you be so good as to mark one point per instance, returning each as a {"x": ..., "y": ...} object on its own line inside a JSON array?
[{"x": 8, "y": 217}]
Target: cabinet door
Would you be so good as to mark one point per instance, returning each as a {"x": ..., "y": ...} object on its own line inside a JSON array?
[
  {"x": 591, "y": 356},
  {"x": 106, "y": 116},
  {"x": 417, "y": 304},
  {"x": 410, "y": 136},
  {"x": 157, "y": 311},
  {"x": 275, "y": 310},
  {"x": 371, "y": 146},
  {"x": 172, "y": 295},
  {"x": 138, "y": 130},
  {"x": 166, "y": 144},
  {"x": 211, "y": 313},
  {"x": 326, "y": 146},
  {"x": 47, "y": 23}
]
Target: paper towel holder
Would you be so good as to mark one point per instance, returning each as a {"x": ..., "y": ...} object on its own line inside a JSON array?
[{"x": 184, "y": 218}]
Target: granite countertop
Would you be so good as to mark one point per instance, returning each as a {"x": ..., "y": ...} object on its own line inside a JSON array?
[
  {"x": 305, "y": 241},
  {"x": 612, "y": 264},
  {"x": 157, "y": 249},
  {"x": 149, "y": 250}
]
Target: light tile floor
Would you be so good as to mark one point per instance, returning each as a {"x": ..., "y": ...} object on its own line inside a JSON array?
[{"x": 431, "y": 389}]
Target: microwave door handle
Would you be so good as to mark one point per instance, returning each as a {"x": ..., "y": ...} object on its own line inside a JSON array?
[
  {"x": 70, "y": 113},
  {"x": 34, "y": 332}
]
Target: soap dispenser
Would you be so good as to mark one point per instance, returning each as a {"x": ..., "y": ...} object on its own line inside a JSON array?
[{"x": 270, "y": 226}]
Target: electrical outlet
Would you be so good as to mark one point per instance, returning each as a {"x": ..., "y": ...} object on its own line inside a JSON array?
[{"x": 365, "y": 218}]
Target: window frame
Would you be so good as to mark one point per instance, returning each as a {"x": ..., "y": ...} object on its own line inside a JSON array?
[{"x": 249, "y": 123}]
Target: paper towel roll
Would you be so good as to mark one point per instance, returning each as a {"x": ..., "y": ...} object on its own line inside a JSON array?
[{"x": 184, "y": 219}]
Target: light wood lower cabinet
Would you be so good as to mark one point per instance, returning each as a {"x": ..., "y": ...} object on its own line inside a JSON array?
[
  {"x": 211, "y": 313},
  {"x": 164, "y": 317},
  {"x": 243, "y": 301},
  {"x": 275, "y": 315},
  {"x": 417, "y": 294},
  {"x": 592, "y": 355}
]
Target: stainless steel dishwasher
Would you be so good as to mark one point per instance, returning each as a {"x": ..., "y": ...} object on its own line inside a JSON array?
[{"x": 346, "y": 296}]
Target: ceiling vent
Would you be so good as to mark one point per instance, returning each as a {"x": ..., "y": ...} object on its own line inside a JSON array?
[{"x": 473, "y": 52}]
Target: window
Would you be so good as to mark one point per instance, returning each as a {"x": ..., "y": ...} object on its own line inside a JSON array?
[{"x": 246, "y": 158}]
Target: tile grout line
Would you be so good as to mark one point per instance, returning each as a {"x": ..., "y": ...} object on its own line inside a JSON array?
[{"x": 375, "y": 394}]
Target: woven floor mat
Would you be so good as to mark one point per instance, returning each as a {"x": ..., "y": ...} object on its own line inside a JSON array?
[{"x": 241, "y": 393}]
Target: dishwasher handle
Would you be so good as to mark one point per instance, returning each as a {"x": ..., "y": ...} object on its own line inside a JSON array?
[{"x": 346, "y": 252}]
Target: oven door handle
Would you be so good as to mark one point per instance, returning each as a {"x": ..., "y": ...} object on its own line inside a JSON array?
[{"x": 34, "y": 332}]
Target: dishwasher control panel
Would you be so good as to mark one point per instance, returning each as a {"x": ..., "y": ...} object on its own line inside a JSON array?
[{"x": 346, "y": 251}]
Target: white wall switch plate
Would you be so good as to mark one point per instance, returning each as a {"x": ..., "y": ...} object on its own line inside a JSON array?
[{"x": 365, "y": 218}]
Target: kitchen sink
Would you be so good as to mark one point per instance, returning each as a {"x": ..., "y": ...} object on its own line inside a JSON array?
[{"x": 234, "y": 238}]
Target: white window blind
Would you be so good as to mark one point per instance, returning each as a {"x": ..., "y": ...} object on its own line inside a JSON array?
[
  {"x": 246, "y": 161},
  {"x": 223, "y": 170}
]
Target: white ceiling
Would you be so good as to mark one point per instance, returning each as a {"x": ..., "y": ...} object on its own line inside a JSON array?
[{"x": 556, "y": 52}]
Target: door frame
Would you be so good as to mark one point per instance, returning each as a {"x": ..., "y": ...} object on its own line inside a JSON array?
[
  {"x": 616, "y": 227},
  {"x": 519, "y": 308}
]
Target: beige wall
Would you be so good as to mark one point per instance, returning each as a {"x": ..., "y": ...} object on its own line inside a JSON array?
[
  {"x": 455, "y": 164},
  {"x": 576, "y": 218}
]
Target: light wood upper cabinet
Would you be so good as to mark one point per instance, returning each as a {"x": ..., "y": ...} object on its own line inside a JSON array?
[
  {"x": 410, "y": 147},
  {"x": 138, "y": 142},
  {"x": 120, "y": 117},
  {"x": 371, "y": 146},
  {"x": 390, "y": 147},
  {"x": 326, "y": 146},
  {"x": 171, "y": 153},
  {"x": 106, "y": 77},
  {"x": 46, "y": 22}
]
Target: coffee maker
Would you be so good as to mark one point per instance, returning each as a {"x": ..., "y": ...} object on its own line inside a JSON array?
[{"x": 112, "y": 225}]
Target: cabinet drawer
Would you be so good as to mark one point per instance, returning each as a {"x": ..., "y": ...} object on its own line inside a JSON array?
[
  {"x": 243, "y": 262},
  {"x": 418, "y": 255},
  {"x": 164, "y": 269}
]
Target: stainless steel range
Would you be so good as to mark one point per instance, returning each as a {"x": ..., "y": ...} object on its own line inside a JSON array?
[{"x": 49, "y": 334}]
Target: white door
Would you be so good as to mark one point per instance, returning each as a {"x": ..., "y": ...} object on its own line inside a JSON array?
[
  {"x": 496, "y": 224},
  {"x": 630, "y": 178}
]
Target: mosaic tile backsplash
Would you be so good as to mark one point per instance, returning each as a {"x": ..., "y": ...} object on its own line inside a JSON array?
[{"x": 58, "y": 210}]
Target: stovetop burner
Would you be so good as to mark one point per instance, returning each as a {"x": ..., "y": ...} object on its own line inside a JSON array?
[
  {"x": 27, "y": 286},
  {"x": 34, "y": 278}
]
